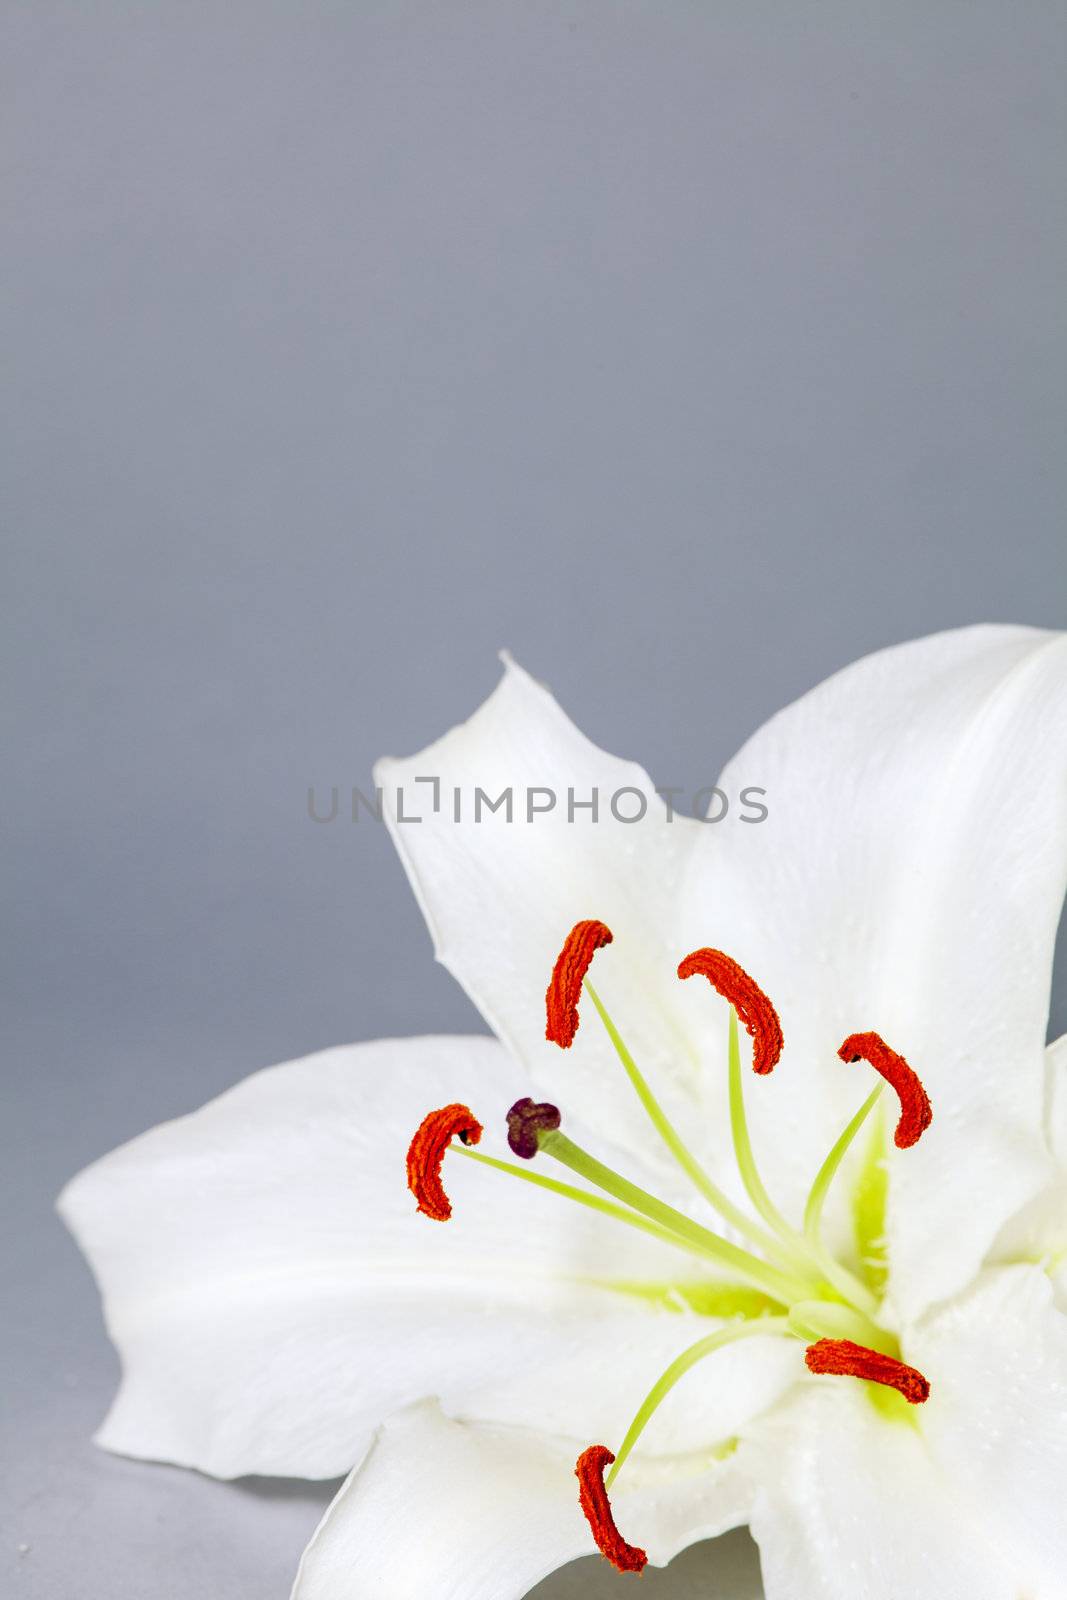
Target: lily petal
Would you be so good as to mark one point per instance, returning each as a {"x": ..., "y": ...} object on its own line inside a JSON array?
[
  {"x": 852, "y": 1507},
  {"x": 1037, "y": 1234},
  {"x": 1056, "y": 1083},
  {"x": 996, "y": 1421},
  {"x": 273, "y": 1293},
  {"x": 463, "y": 1512},
  {"x": 500, "y": 896},
  {"x": 909, "y": 880}
]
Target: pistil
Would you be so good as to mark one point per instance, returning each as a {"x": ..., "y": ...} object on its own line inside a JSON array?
[
  {"x": 782, "y": 1286},
  {"x": 594, "y": 1202}
]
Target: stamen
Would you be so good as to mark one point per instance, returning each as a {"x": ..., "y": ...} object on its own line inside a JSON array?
[
  {"x": 427, "y": 1151},
  {"x": 746, "y": 1161},
  {"x": 740, "y": 1329},
  {"x": 843, "y": 1358},
  {"x": 782, "y": 1286},
  {"x": 747, "y": 998},
  {"x": 526, "y": 1120},
  {"x": 916, "y": 1113},
  {"x": 572, "y": 964},
  {"x": 842, "y": 1279},
  {"x": 671, "y": 1138},
  {"x": 594, "y": 1500},
  {"x": 839, "y": 1276}
]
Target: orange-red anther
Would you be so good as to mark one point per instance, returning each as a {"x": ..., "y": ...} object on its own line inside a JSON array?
[
  {"x": 568, "y": 975},
  {"x": 845, "y": 1359},
  {"x": 916, "y": 1113},
  {"x": 594, "y": 1498},
  {"x": 747, "y": 998},
  {"x": 427, "y": 1151}
]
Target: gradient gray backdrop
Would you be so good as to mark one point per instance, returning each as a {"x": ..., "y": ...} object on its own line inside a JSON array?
[{"x": 688, "y": 349}]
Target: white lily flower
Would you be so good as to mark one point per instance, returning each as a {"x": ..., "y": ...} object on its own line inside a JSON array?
[{"x": 773, "y": 1300}]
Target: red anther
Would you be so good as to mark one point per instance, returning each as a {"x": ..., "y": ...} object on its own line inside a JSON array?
[
  {"x": 568, "y": 975},
  {"x": 427, "y": 1151},
  {"x": 747, "y": 998},
  {"x": 526, "y": 1119},
  {"x": 916, "y": 1113},
  {"x": 597, "y": 1508},
  {"x": 844, "y": 1359}
]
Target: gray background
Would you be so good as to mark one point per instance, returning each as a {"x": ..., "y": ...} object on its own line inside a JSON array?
[{"x": 690, "y": 350}]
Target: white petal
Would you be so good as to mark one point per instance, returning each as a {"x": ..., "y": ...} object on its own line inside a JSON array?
[
  {"x": 966, "y": 1505},
  {"x": 500, "y": 896},
  {"x": 1056, "y": 1088},
  {"x": 909, "y": 880},
  {"x": 851, "y": 1507},
  {"x": 273, "y": 1293},
  {"x": 1052, "y": 1241},
  {"x": 463, "y": 1513},
  {"x": 1038, "y": 1232},
  {"x": 996, "y": 1421}
]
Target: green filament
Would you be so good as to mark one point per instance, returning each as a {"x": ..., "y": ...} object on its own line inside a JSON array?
[
  {"x": 842, "y": 1280},
  {"x": 678, "y": 1369},
  {"x": 679, "y": 1150},
  {"x": 808, "y": 1249},
  {"x": 828, "y": 1171},
  {"x": 750, "y": 1269},
  {"x": 746, "y": 1161},
  {"x": 570, "y": 1191}
]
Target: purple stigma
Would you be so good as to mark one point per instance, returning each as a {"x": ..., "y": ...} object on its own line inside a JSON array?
[{"x": 526, "y": 1119}]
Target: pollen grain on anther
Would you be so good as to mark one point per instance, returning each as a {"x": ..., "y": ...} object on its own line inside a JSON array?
[
  {"x": 595, "y": 1503},
  {"x": 842, "y": 1358},
  {"x": 754, "y": 1009},
  {"x": 427, "y": 1151},
  {"x": 568, "y": 975},
  {"x": 916, "y": 1113}
]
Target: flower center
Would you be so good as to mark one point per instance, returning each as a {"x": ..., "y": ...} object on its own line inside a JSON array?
[{"x": 801, "y": 1290}]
